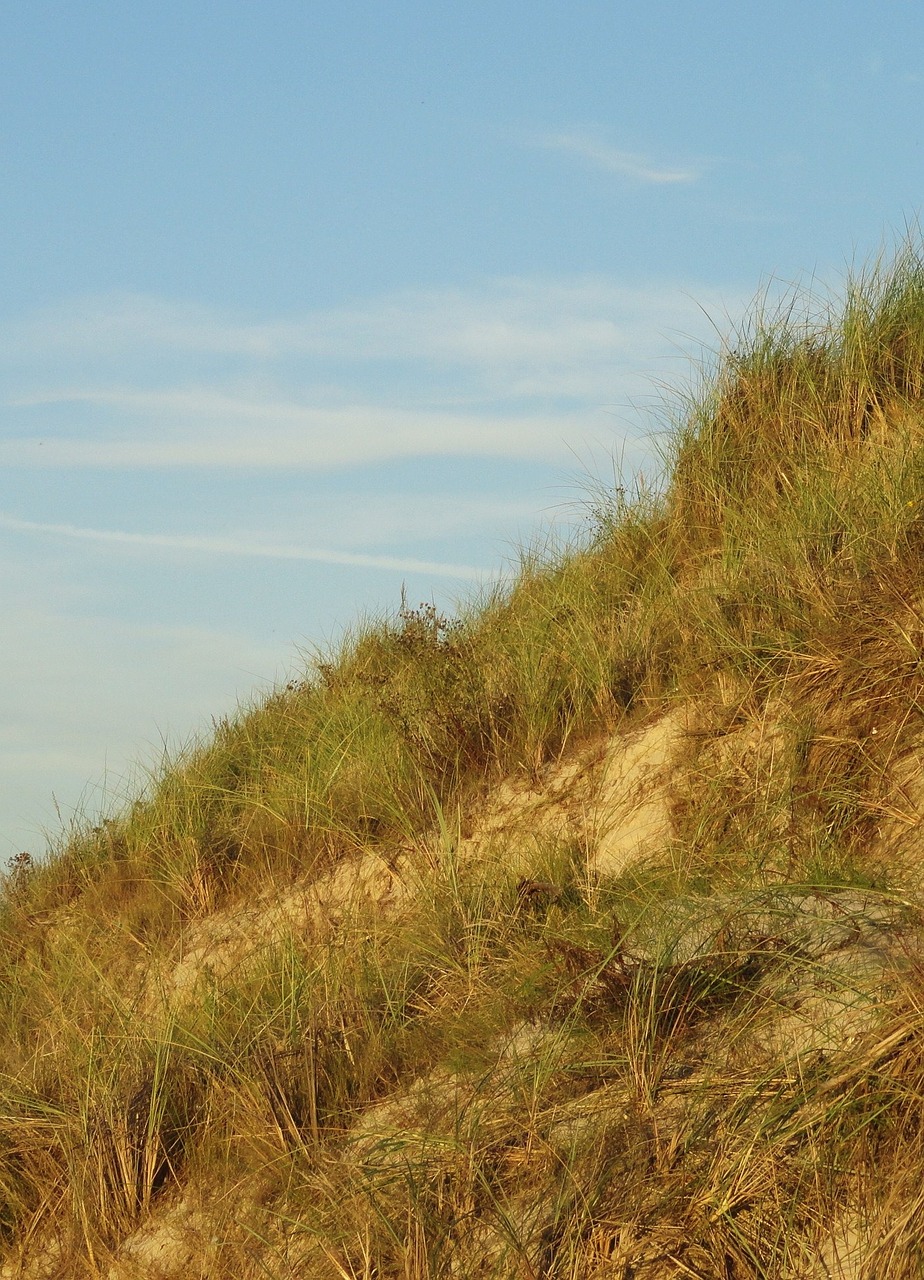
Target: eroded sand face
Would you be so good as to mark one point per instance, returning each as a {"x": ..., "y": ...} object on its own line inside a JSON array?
[
  {"x": 631, "y": 820},
  {"x": 316, "y": 908},
  {"x": 610, "y": 798},
  {"x": 614, "y": 797}
]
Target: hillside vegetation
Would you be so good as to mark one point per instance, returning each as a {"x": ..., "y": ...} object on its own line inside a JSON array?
[{"x": 577, "y": 937}]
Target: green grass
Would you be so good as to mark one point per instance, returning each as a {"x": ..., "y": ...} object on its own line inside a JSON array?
[{"x": 522, "y": 1069}]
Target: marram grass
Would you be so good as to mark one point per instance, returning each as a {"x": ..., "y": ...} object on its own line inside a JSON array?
[{"x": 526, "y": 1068}]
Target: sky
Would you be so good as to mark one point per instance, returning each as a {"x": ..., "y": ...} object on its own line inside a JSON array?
[{"x": 307, "y": 305}]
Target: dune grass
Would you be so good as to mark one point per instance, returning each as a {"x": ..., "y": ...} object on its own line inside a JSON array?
[{"x": 585, "y": 1077}]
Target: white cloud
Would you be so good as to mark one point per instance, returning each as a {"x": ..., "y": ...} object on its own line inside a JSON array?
[
  {"x": 240, "y": 547},
  {"x": 503, "y": 322},
  {"x": 514, "y": 368},
  {"x": 627, "y": 164},
  {"x": 208, "y": 428}
]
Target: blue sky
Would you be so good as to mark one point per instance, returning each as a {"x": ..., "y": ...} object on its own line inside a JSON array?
[{"x": 305, "y": 302}]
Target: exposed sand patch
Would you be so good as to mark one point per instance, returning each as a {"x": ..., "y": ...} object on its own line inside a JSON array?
[
  {"x": 842, "y": 1254},
  {"x": 317, "y": 908},
  {"x": 39, "y": 1258},
  {"x": 553, "y": 808},
  {"x": 611, "y": 797},
  {"x": 169, "y": 1244},
  {"x": 631, "y": 819}
]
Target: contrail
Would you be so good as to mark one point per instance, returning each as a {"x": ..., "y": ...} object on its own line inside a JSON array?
[{"x": 238, "y": 547}]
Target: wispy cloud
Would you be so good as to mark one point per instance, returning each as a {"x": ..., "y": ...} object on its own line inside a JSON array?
[
  {"x": 253, "y": 548},
  {"x": 502, "y": 323},
  {"x": 205, "y": 428},
  {"x": 627, "y": 164},
  {"x": 513, "y": 368}
]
